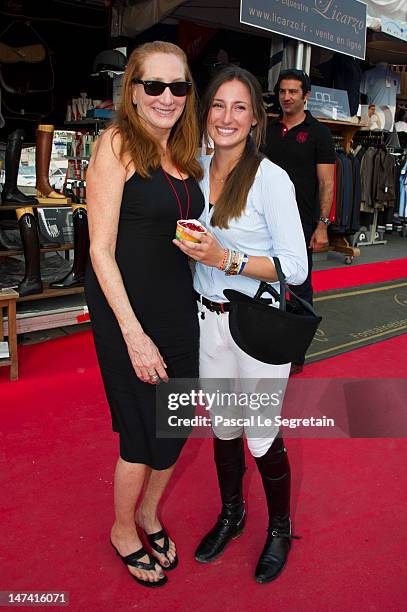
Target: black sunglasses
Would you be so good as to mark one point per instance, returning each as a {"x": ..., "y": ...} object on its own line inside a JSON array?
[{"x": 156, "y": 88}]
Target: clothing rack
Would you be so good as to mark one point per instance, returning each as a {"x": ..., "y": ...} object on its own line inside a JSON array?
[
  {"x": 372, "y": 232},
  {"x": 371, "y": 138},
  {"x": 339, "y": 242},
  {"x": 338, "y": 141}
]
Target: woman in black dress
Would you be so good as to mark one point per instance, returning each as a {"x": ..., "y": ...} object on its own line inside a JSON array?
[{"x": 141, "y": 179}]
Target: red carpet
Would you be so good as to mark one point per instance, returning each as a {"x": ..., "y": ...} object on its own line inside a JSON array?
[
  {"x": 356, "y": 275},
  {"x": 58, "y": 452}
]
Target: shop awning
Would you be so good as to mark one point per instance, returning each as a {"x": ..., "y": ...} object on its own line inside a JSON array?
[
  {"x": 135, "y": 16},
  {"x": 388, "y": 16},
  {"x": 131, "y": 20}
]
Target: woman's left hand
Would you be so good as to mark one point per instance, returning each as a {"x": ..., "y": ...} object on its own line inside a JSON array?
[{"x": 208, "y": 251}]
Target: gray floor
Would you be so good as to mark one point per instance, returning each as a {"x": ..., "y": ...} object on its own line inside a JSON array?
[{"x": 396, "y": 248}]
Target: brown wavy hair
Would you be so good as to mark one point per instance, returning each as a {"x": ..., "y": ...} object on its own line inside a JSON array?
[
  {"x": 136, "y": 141},
  {"x": 232, "y": 200}
]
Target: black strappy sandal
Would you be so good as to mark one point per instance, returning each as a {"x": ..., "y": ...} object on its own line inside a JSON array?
[
  {"x": 162, "y": 550},
  {"x": 133, "y": 561}
]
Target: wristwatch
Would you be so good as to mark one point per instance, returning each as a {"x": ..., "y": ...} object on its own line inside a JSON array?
[{"x": 325, "y": 220}]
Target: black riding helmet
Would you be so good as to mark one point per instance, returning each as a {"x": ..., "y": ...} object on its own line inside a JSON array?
[{"x": 109, "y": 60}]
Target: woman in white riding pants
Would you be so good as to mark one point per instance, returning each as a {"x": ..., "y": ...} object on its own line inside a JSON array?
[{"x": 251, "y": 215}]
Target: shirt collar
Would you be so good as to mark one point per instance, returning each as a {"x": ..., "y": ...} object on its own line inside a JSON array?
[{"x": 309, "y": 119}]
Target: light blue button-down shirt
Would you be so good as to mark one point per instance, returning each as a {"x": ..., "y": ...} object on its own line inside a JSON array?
[{"x": 270, "y": 226}]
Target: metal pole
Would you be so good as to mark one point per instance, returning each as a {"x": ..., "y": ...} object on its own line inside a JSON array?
[
  {"x": 307, "y": 59},
  {"x": 299, "y": 55}
]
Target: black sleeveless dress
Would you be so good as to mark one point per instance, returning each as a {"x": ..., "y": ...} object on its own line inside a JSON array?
[{"x": 158, "y": 281}]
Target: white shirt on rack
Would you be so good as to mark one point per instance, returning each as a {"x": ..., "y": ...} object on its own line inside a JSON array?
[
  {"x": 381, "y": 85},
  {"x": 269, "y": 226}
]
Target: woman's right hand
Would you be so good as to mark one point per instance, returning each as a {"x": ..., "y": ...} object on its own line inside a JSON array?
[{"x": 146, "y": 359}]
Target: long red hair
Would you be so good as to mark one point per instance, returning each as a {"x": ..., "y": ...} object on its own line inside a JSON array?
[{"x": 137, "y": 143}]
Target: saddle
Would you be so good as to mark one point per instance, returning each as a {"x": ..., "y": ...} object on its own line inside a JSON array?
[
  {"x": 26, "y": 73},
  {"x": 30, "y": 54}
]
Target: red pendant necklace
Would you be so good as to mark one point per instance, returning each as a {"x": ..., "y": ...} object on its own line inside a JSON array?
[{"x": 176, "y": 194}]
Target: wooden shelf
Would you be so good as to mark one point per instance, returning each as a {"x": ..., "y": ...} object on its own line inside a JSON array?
[
  {"x": 346, "y": 129},
  {"x": 50, "y": 205},
  {"x": 49, "y": 293},
  {"x": 8, "y": 302},
  {"x": 332, "y": 122},
  {"x": 88, "y": 121},
  {"x": 61, "y": 247},
  {"x": 342, "y": 123}
]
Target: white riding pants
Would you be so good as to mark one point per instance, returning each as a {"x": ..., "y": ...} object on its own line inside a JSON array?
[{"x": 221, "y": 358}]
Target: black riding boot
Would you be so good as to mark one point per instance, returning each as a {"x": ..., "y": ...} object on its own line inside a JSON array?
[
  {"x": 81, "y": 250},
  {"x": 10, "y": 193},
  {"x": 31, "y": 282},
  {"x": 230, "y": 465},
  {"x": 274, "y": 469}
]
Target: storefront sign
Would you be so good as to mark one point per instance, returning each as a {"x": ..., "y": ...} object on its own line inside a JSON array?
[
  {"x": 329, "y": 103},
  {"x": 339, "y": 25},
  {"x": 395, "y": 28}
]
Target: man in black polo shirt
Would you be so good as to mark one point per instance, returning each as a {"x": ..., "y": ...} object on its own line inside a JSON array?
[{"x": 304, "y": 148}]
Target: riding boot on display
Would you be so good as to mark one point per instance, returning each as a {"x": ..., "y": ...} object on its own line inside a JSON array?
[
  {"x": 31, "y": 282},
  {"x": 230, "y": 465},
  {"x": 275, "y": 473},
  {"x": 42, "y": 160},
  {"x": 81, "y": 249},
  {"x": 11, "y": 194}
]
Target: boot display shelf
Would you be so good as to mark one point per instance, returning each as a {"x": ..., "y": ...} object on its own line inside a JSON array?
[
  {"x": 51, "y": 204},
  {"x": 33, "y": 240},
  {"x": 14, "y": 252},
  {"x": 38, "y": 312},
  {"x": 61, "y": 247},
  {"x": 48, "y": 292},
  {"x": 97, "y": 124},
  {"x": 88, "y": 121}
]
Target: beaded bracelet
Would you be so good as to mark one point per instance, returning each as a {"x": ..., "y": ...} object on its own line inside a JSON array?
[
  {"x": 239, "y": 260},
  {"x": 235, "y": 265},
  {"x": 229, "y": 268},
  {"x": 229, "y": 262},
  {"x": 224, "y": 260}
]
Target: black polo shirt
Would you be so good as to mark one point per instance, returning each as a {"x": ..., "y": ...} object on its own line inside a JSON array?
[{"x": 298, "y": 151}]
